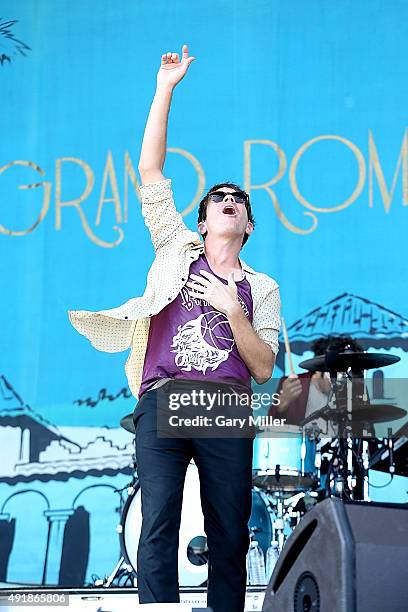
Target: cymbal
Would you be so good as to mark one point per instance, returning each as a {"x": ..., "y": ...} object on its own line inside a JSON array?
[
  {"x": 290, "y": 481},
  {"x": 127, "y": 423},
  {"x": 341, "y": 362},
  {"x": 370, "y": 413}
]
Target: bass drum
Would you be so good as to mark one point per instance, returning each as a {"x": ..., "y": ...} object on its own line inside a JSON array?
[{"x": 191, "y": 527}]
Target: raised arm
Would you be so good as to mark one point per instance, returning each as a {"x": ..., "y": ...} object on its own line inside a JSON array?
[{"x": 153, "y": 153}]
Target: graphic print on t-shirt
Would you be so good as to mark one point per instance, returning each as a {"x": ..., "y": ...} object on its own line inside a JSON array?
[
  {"x": 204, "y": 342},
  {"x": 190, "y": 339},
  {"x": 189, "y": 302},
  {"x": 198, "y": 345}
]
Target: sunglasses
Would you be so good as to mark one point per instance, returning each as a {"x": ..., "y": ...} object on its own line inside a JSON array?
[{"x": 240, "y": 197}]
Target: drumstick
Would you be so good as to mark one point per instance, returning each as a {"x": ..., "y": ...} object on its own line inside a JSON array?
[{"x": 287, "y": 346}]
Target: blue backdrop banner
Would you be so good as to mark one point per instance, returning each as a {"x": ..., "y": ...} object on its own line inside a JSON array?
[{"x": 302, "y": 103}]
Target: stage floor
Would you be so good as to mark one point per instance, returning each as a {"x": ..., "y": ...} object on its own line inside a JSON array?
[{"x": 112, "y": 599}]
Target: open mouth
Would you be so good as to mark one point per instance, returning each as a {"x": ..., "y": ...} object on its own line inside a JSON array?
[{"x": 229, "y": 210}]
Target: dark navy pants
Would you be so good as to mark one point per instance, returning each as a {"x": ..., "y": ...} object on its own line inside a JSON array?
[{"x": 225, "y": 471}]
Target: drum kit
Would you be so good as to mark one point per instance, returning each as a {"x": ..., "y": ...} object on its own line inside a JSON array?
[
  {"x": 297, "y": 466},
  {"x": 294, "y": 467}
]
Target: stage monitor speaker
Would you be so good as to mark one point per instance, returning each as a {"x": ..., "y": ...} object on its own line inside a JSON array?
[{"x": 343, "y": 557}]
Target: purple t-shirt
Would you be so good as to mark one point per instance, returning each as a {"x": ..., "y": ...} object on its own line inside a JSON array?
[{"x": 190, "y": 339}]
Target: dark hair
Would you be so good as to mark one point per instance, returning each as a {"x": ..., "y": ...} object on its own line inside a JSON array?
[
  {"x": 202, "y": 207},
  {"x": 335, "y": 343}
]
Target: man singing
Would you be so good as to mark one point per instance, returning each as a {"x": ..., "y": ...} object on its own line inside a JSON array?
[{"x": 205, "y": 316}]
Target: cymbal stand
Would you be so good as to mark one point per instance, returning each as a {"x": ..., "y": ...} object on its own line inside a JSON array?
[
  {"x": 352, "y": 451},
  {"x": 365, "y": 463},
  {"x": 279, "y": 523},
  {"x": 123, "y": 573}
]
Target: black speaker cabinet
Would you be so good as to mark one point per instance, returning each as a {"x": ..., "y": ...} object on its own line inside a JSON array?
[{"x": 344, "y": 557}]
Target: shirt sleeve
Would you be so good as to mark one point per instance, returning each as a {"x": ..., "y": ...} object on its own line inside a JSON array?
[
  {"x": 268, "y": 318},
  {"x": 162, "y": 219}
]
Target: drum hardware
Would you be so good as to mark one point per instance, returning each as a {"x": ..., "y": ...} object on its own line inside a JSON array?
[
  {"x": 303, "y": 453},
  {"x": 287, "y": 469},
  {"x": 364, "y": 415},
  {"x": 341, "y": 362},
  {"x": 284, "y": 516},
  {"x": 283, "y": 460},
  {"x": 279, "y": 522},
  {"x": 313, "y": 432},
  {"x": 340, "y": 479},
  {"x": 127, "y": 423},
  {"x": 123, "y": 572},
  {"x": 287, "y": 482},
  {"x": 390, "y": 454},
  {"x": 354, "y": 416},
  {"x": 197, "y": 551},
  {"x": 391, "y": 451},
  {"x": 365, "y": 465}
]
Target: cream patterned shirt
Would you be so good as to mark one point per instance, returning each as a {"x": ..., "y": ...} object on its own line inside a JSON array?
[{"x": 176, "y": 247}]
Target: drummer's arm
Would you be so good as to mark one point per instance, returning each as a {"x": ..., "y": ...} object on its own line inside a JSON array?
[
  {"x": 276, "y": 407},
  {"x": 288, "y": 390},
  {"x": 283, "y": 405}
]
